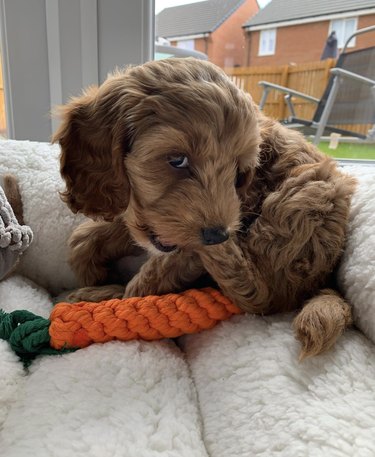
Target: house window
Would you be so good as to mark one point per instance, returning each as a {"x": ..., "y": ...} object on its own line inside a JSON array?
[
  {"x": 267, "y": 42},
  {"x": 186, "y": 44},
  {"x": 344, "y": 28}
]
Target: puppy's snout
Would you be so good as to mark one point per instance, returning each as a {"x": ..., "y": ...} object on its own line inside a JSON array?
[{"x": 214, "y": 235}]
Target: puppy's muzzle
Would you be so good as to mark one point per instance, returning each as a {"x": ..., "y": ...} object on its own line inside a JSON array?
[{"x": 214, "y": 235}]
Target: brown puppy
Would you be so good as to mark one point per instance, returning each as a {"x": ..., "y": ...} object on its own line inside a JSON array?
[{"x": 173, "y": 157}]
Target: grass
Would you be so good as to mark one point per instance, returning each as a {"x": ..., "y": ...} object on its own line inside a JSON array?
[{"x": 350, "y": 151}]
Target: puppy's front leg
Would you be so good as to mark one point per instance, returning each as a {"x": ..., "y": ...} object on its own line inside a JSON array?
[
  {"x": 164, "y": 274},
  {"x": 237, "y": 276}
]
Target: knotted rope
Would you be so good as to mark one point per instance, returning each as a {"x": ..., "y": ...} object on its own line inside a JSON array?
[
  {"x": 15, "y": 238},
  {"x": 74, "y": 326}
]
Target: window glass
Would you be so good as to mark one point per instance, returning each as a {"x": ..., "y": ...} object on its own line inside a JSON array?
[
  {"x": 213, "y": 28},
  {"x": 222, "y": 32},
  {"x": 350, "y": 28},
  {"x": 186, "y": 44},
  {"x": 338, "y": 27},
  {"x": 3, "y": 127},
  {"x": 267, "y": 42}
]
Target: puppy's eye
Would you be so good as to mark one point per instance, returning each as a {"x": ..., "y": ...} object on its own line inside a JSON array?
[
  {"x": 240, "y": 179},
  {"x": 178, "y": 161}
]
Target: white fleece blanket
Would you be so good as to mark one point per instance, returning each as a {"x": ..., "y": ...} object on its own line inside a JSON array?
[
  {"x": 357, "y": 270},
  {"x": 257, "y": 400},
  {"x": 236, "y": 390},
  {"x": 111, "y": 400},
  {"x": 37, "y": 169}
]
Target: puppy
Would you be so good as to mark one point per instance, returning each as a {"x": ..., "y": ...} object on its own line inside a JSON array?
[{"x": 172, "y": 157}]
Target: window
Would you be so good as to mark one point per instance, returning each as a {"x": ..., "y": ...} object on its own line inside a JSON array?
[
  {"x": 267, "y": 42},
  {"x": 344, "y": 28},
  {"x": 52, "y": 49},
  {"x": 186, "y": 44}
]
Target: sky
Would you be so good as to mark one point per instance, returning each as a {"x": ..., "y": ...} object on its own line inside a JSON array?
[{"x": 161, "y": 4}]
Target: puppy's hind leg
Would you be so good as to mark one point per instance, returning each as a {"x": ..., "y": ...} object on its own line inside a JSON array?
[{"x": 321, "y": 321}]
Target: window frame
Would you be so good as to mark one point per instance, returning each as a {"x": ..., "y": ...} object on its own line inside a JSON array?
[{"x": 352, "y": 43}]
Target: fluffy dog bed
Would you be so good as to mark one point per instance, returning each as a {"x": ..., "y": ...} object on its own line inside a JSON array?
[{"x": 236, "y": 390}]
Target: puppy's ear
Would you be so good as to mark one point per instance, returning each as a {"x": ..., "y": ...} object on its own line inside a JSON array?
[
  {"x": 92, "y": 157},
  {"x": 243, "y": 183}
]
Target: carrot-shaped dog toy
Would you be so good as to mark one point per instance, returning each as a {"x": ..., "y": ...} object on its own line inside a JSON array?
[{"x": 74, "y": 326}]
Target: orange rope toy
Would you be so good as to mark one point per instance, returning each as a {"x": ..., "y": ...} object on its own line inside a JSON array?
[
  {"x": 146, "y": 318},
  {"x": 73, "y": 326}
]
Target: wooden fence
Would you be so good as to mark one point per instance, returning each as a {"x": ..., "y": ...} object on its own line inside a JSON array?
[{"x": 309, "y": 78}]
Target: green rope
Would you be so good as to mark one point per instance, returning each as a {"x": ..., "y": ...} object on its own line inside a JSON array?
[{"x": 27, "y": 335}]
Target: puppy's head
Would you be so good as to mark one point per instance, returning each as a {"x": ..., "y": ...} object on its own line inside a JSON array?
[{"x": 173, "y": 144}]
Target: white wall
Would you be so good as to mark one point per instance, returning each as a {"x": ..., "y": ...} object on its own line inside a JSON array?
[{"x": 51, "y": 49}]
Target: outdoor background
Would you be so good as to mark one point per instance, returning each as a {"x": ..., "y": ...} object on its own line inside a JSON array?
[{"x": 279, "y": 41}]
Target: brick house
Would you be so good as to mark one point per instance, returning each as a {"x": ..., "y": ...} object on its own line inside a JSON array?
[
  {"x": 212, "y": 26},
  {"x": 295, "y": 31}
]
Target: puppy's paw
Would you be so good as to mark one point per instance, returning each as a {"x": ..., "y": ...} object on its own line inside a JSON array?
[
  {"x": 140, "y": 287},
  {"x": 312, "y": 334},
  {"x": 96, "y": 294},
  {"x": 320, "y": 323},
  {"x": 135, "y": 289}
]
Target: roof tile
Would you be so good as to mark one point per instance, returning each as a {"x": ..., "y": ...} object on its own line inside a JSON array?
[
  {"x": 194, "y": 18},
  {"x": 288, "y": 10}
]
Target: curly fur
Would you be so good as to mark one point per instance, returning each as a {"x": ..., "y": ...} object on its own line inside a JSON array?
[{"x": 284, "y": 204}]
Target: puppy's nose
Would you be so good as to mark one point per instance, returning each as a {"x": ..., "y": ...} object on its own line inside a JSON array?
[{"x": 214, "y": 235}]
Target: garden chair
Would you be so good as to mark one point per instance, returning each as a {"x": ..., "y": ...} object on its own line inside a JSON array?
[{"x": 349, "y": 98}]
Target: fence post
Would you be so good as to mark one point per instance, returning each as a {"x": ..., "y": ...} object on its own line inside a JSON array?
[
  {"x": 329, "y": 63},
  {"x": 283, "y": 82}
]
